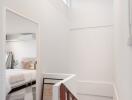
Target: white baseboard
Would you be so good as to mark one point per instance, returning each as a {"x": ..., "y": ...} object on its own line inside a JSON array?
[
  {"x": 100, "y": 89},
  {"x": 115, "y": 95}
]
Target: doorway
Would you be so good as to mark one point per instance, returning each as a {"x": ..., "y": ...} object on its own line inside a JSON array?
[{"x": 21, "y": 53}]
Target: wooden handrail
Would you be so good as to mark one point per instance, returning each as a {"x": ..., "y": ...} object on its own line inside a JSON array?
[{"x": 65, "y": 93}]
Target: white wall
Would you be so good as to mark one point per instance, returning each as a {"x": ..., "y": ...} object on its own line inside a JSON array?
[
  {"x": 54, "y": 24},
  {"x": 91, "y": 44},
  {"x": 123, "y": 53},
  {"x": 2, "y": 61},
  {"x": 91, "y": 54},
  {"x": 88, "y": 13}
]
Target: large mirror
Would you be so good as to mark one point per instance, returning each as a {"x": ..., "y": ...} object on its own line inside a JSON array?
[{"x": 21, "y": 57}]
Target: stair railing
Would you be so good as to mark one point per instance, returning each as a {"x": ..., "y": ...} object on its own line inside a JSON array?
[{"x": 65, "y": 93}]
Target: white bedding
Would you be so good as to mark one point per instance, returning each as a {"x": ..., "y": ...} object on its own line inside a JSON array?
[{"x": 29, "y": 75}]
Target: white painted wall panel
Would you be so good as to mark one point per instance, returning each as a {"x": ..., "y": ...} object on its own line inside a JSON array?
[
  {"x": 91, "y": 56},
  {"x": 87, "y": 13},
  {"x": 88, "y": 97},
  {"x": 91, "y": 47},
  {"x": 123, "y": 53},
  {"x": 102, "y": 89},
  {"x": 91, "y": 40}
]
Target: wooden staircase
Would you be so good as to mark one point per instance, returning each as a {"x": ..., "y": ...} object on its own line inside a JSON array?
[{"x": 65, "y": 93}]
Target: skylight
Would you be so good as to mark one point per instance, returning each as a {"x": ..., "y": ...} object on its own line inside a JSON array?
[{"x": 67, "y": 2}]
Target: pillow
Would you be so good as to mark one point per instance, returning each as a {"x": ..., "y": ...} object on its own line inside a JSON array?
[{"x": 29, "y": 63}]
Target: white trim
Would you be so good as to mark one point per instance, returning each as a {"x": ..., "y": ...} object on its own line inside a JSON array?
[
  {"x": 21, "y": 15},
  {"x": 65, "y": 80},
  {"x": 90, "y": 27},
  {"x": 115, "y": 95},
  {"x": 94, "y": 88}
]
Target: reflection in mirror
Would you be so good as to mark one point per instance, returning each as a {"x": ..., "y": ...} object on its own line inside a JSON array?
[{"x": 21, "y": 54}]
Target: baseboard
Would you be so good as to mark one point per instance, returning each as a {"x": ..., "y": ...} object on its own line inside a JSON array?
[
  {"x": 115, "y": 95},
  {"x": 100, "y": 89}
]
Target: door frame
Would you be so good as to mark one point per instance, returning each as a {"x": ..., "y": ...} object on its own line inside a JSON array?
[{"x": 38, "y": 68}]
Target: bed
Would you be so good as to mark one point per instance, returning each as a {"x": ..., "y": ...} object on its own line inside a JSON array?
[{"x": 17, "y": 79}]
